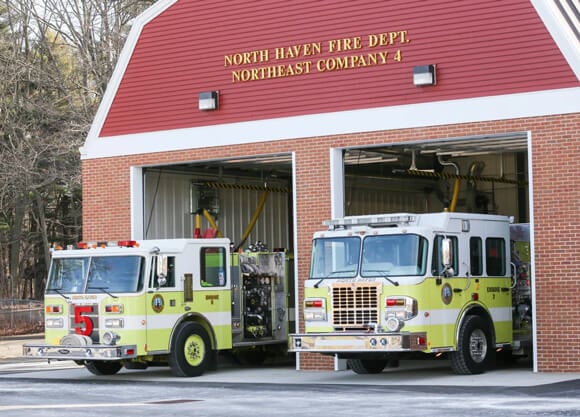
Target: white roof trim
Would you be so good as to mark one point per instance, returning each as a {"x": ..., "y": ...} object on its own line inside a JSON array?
[
  {"x": 561, "y": 32},
  {"x": 542, "y": 103}
]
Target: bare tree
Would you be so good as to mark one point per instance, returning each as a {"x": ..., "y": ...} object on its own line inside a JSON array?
[{"x": 56, "y": 58}]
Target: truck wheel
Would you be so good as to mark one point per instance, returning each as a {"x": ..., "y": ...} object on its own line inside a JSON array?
[
  {"x": 190, "y": 352},
  {"x": 103, "y": 367},
  {"x": 367, "y": 366},
  {"x": 474, "y": 347}
]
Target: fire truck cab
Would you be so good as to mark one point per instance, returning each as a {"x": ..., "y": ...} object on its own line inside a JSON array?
[
  {"x": 387, "y": 287},
  {"x": 173, "y": 302}
]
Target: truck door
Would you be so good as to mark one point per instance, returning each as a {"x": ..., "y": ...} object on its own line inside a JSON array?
[
  {"x": 163, "y": 302},
  {"x": 451, "y": 275},
  {"x": 196, "y": 283},
  {"x": 212, "y": 292}
]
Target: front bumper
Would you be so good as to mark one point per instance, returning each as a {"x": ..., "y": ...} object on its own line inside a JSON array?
[
  {"x": 79, "y": 353},
  {"x": 358, "y": 342}
]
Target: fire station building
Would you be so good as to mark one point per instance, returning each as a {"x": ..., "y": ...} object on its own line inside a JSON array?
[{"x": 318, "y": 110}]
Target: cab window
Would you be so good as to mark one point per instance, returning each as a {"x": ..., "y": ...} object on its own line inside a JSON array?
[
  {"x": 495, "y": 257},
  {"x": 437, "y": 267},
  {"x": 213, "y": 267},
  {"x": 476, "y": 256},
  {"x": 170, "y": 278}
]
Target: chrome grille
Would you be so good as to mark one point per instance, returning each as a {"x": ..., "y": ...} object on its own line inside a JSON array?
[{"x": 355, "y": 306}]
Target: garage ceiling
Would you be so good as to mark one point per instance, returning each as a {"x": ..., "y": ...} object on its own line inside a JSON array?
[
  {"x": 451, "y": 148},
  {"x": 397, "y": 155}
]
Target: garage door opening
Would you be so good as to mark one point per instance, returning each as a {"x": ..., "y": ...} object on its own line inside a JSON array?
[
  {"x": 483, "y": 175},
  {"x": 249, "y": 200}
]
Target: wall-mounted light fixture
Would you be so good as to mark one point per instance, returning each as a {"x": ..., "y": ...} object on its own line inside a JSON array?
[
  {"x": 425, "y": 75},
  {"x": 209, "y": 100}
]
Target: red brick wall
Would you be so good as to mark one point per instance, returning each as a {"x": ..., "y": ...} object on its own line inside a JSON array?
[
  {"x": 556, "y": 202},
  {"x": 556, "y": 148}
]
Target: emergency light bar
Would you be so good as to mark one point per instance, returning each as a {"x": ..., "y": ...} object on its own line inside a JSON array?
[
  {"x": 120, "y": 243},
  {"x": 128, "y": 243},
  {"x": 371, "y": 221}
]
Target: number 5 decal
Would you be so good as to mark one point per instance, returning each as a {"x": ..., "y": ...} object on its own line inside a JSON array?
[{"x": 84, "y": 323}]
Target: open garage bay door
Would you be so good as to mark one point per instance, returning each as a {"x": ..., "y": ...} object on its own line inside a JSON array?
[
  {"x": 475, "y": 175},
  {"x": 248, "y": 200}
]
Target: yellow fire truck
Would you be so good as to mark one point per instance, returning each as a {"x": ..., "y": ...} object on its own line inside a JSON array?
[
  {"x": 388, "y": 287},
  {"x": 159, "y": 302}
]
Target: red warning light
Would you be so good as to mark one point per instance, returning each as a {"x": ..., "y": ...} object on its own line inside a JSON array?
[{"x": 127, "y": 243}]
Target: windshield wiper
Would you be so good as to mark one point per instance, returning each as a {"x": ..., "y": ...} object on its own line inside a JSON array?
[
  {"x": 342, "y": 271},
  {"x": 383, "y": 275},
  {"x": 56, "y": 290},
  {"x": 103, "y": 289}
]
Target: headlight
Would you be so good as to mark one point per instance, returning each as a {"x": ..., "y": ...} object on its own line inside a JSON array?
[
  {"x": 54, "y": 323},
  {"x": 402, "y": 307},
  {"x": 114, "y": 323},
  {"x": 114, "y": 308},
  {"x": 314, "y": 309},
  {"x": 315, "y": 316},
  {"x": 53, "y": 309}
]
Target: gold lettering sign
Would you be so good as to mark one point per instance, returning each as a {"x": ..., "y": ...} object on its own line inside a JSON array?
[{"x": 317, "y": 57}]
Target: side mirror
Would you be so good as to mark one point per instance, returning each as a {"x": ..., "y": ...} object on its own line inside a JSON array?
[
  {"x": 447, "y": 256},
  {"x": 447, "y": 252},
  {"x": 161, "y": 281},
  {"x": 161, "y": 270}
]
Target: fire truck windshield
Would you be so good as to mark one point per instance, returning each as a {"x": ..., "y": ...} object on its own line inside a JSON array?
[
  {"x": 382, "y": 256},
  {"x": 394, "y": 255},
  {"x": 335, "y": 257},
  {"x": 96, "y": 274}
]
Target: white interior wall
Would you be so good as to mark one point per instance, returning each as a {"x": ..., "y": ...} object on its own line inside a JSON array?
[{"x": 167, "y": 211}]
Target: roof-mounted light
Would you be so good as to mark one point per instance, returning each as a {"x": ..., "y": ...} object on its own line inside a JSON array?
[
  {"x": 127, "y": 243},
  {"x": 371, "y": 221}
]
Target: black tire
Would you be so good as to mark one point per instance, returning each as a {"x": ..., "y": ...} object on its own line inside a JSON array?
[
  {"x": 190, "y": 351},
  {"x": 367, "y": 366},
  {"x": 474, "y": 347},
  {"x": 103, "y": 367}
]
